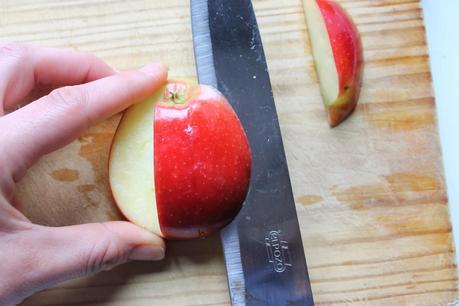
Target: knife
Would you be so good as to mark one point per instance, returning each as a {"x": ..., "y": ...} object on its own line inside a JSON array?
[{"x": 263, "y": 249}]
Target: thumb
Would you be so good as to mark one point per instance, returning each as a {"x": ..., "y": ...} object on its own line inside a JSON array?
[{"x": 63, "y": 253}]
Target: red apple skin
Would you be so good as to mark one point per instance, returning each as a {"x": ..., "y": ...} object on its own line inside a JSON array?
[
  {"x": 347, "y": 51},
  {"x": 202, "y": 162}
]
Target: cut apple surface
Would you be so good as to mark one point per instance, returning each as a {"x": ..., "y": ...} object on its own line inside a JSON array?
[
  {"x": 131, "y": 165},
  {"x": 180, "y": 162},
  {"x": 337, "y": 55}
]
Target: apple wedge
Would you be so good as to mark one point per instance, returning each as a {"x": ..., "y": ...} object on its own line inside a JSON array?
[
  {"x": 337, "y": 52},
  {"x": 180, "y": 162}
]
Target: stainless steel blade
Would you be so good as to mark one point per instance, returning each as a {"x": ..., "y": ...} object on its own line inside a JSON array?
[{"x": 263, "y": 249}]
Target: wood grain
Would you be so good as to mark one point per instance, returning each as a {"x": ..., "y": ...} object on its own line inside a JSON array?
[{"x": 370, "y": 193}]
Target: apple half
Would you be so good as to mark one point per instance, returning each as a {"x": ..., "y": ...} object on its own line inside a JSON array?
[
  {"x": 337, "y": 52},
  {"x": 180, "y": 162}
]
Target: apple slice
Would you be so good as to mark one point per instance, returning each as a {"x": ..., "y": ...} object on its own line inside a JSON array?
[
  {"x": 131, "y": 165},
  {"x": 337, "y": 52},
  {"x": 180, "y": 162}
]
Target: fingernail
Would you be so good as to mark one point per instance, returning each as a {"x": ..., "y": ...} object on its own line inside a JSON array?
[
  {"x": 147, "y": 252},
  {"x": 153, "y": 69}
]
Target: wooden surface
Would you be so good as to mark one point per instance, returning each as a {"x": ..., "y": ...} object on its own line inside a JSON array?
[{"x": 370, "y": 194}]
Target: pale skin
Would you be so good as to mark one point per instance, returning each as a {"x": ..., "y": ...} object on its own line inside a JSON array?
[{"x": 34, "y": 257}]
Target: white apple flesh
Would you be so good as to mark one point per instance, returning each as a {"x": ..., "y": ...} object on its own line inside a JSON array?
[
  {"x": 131, "y": 165},
  {"x": 322, "y": 51}
]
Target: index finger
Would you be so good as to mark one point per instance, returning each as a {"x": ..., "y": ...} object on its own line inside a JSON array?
[
  {"x": 24, "y": 66},
  {"x": 55, "y": 120}
]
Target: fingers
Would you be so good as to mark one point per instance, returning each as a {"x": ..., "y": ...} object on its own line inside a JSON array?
[
  {"x": 47, "y": 255},
  {"x": 24, "y": 66},
  {"x": 55, "y": 120},
  {"x": 85, "y": 249}
]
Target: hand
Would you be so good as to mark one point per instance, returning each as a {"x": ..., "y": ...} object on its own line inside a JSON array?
[{"x": 33, "y": 257}]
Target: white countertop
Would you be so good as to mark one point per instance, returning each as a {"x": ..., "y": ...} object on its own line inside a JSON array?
[{"x": 442, "y": 25}]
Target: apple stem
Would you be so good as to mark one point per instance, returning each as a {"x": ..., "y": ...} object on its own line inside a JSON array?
[{"x": 175, "y": 95}]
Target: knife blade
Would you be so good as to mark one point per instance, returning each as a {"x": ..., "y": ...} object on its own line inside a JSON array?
[{"x": 264, "y": 254}]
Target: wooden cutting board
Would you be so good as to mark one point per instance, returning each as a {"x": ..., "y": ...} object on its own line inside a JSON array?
[{"x": 370, "y": 193}]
